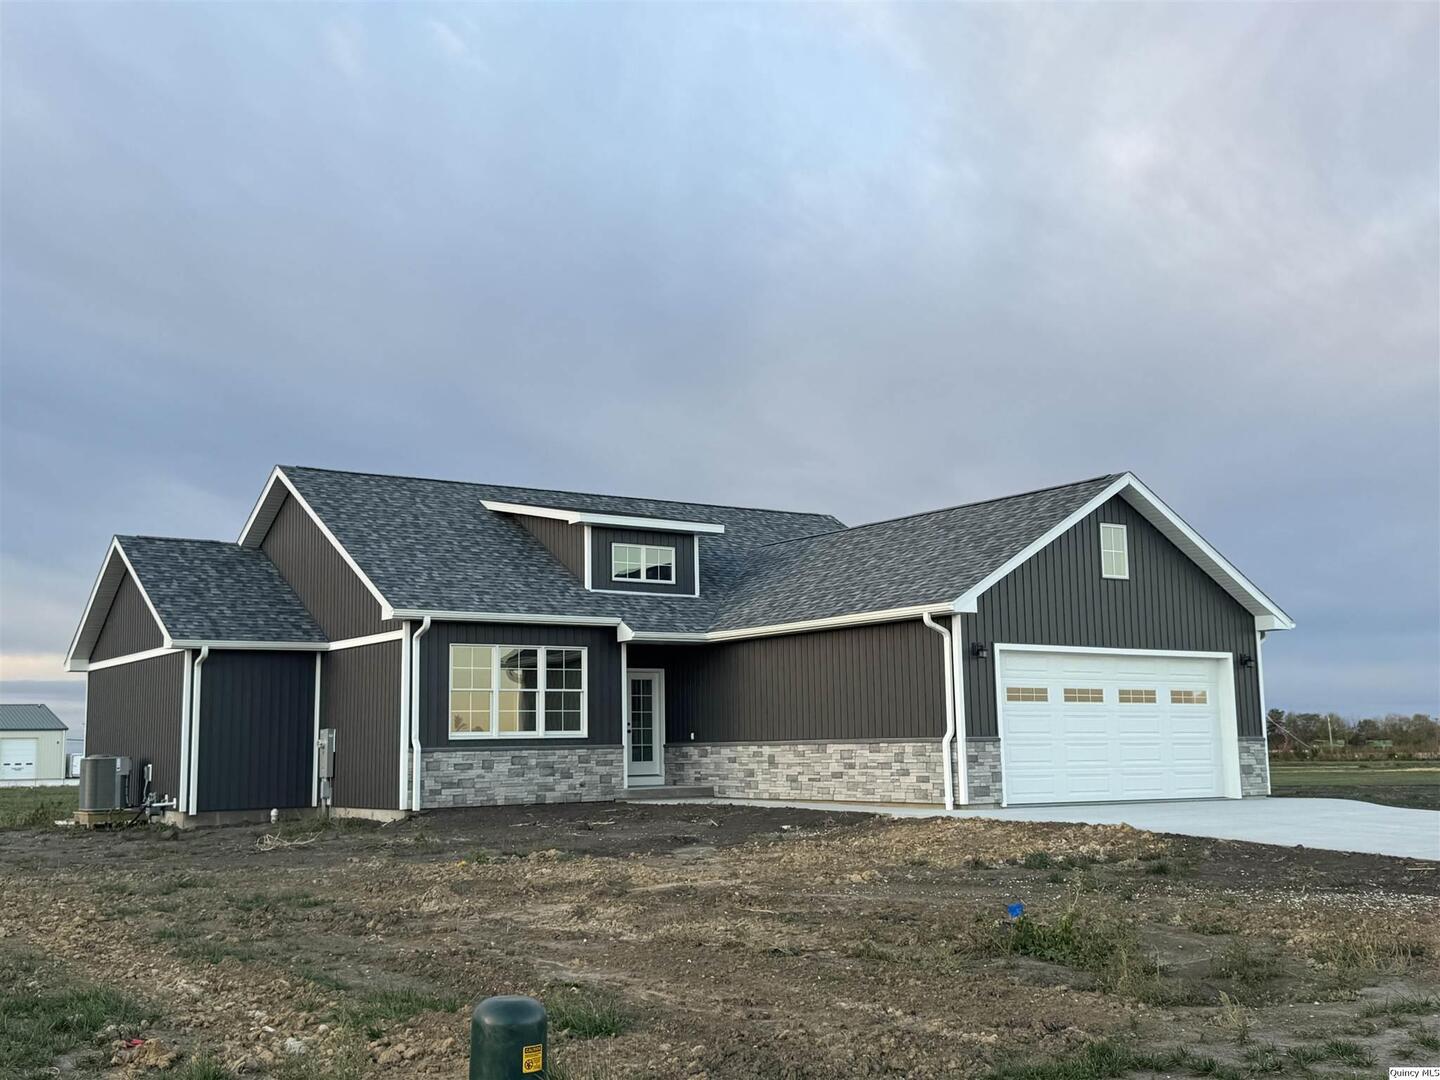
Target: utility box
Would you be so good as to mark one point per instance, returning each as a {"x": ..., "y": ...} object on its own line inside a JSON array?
[
  {"x": 507, "y": 1039},
  {"x": 325, "y": 764}
]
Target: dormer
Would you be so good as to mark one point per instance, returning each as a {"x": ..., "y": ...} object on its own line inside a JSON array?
[{"x": 620, "y": 553}]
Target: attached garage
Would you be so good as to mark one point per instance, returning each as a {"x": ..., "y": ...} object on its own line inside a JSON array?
[{"x": 1099, "y": 725}]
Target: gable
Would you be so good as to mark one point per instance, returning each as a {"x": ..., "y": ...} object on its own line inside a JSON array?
[
  {"x": 563, "y": 540},
  {"x": 128, "y": 627},
  {"x": 336, "y": 597}
]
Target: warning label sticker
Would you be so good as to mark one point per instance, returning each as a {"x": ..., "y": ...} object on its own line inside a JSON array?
[{"x": 532, "y": 1058}]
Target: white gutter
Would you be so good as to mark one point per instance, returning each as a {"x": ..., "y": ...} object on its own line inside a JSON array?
[
  {"x": 182, "y": 794},
  {"x": 195, "y": 730},
  {"x": 949, "y": 656},
  {"x": 415, "y": 755},
  {"x": 624, "y": 715}
]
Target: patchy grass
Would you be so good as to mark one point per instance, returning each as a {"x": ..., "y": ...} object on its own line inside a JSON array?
[
  {"x": 35, "y": 807},
  {"x": 366, "y": 1010},
  {"x": 586, "y": 1012},
  {"x": 1242, "y": 962},
  {"x": 1396, "y": 1009},
  {"x": 1086, "y": 940},
  {"x": 203, "y": 1067},
  {"x": 42, "y": 1018}
]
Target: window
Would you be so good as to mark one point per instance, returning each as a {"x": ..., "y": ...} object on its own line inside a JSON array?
[
  {"x": 1026, "y": 693},
  {"x": 1114, "y": 551},
  {"x": 1137, "y": 697},
  {"x": 1189, "y": 697},
  {"x": 1084, "y": 695},
  {"x": 516, "y": 691},
  {"x": 642, "y": 562}
]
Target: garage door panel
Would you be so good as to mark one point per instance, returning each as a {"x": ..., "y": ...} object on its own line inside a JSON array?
[{"x": 1088, "y": 750}]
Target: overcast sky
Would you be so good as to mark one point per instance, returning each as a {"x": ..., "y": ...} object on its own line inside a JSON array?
[{"x": 852, "y": 259}]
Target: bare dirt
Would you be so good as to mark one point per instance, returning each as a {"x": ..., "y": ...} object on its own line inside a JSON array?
[{"x": 728, "y": 942}]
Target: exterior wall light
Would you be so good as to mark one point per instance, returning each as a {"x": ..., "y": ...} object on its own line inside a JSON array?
[
  {"x": 980, "y": 651},
  {"x": 1245, "y": 661}
]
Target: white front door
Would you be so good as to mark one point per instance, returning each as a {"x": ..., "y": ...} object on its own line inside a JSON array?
[
  {"x": 1109, "y": 727},
  {"x": 17, "y": 759},
  {"x": 647, "y": 727}
]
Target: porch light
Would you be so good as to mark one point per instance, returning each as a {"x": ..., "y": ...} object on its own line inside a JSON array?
[
  {"x": 1245, "y": 660},
  {"x": 980, "y": 651}
]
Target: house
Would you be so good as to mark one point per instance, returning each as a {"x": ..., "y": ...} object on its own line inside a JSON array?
[
  {"x": 468, "y": 644},
  {"x": 32, "y": 746}
]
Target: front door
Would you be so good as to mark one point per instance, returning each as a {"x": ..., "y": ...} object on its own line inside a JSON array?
[{"x": 647, "y": 727}]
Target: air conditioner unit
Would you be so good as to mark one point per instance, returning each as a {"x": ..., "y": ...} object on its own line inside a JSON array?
[{"x": 102, "y": 786}]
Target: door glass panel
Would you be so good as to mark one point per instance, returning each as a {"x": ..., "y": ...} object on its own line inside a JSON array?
[{"x": 642, "y": 720}]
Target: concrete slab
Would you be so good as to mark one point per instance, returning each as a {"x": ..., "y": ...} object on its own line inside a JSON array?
[{"x": 1327, "y": 824}]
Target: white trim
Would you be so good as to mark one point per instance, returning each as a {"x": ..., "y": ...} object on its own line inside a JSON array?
[
  {"x": 417, "y": 751},
  {"x": 657, "y": 720},
  {"x": 506, "y": 617},
  {"x": 115, "y": 548},
  {"x": 643, "y": 592},
  {"x": 1229, "y": 749},
  {"x": 404, "y": 715},
  {"x": 624, "y": 715},
  {"x": 588, "y": 555},
  {"x": 182, "y": 795},
  {"x": 661, "y": 636},
  {"x": 315, "y": 742},
  {"x": 254, "y": 646},
  {"x": 616, "y": 521},
  {"x": 496, "y": 735},
  {"x": 695, "y": 547},
  {"x": 962, "y": 761},
  {"x": 1124, "y": 550},
  {"x": 858, "y": 619},
  {"x": 1264, "y": 716},
  {"x": 277, "y": 475},
  {"x": 645, "y": 552},
  {"x": 368, "y": 639},
  {"x": 195, "y": 729},
  {"x": 128, "y": 658},
  {"x": 947, "y": 664},
  {"x": 1150, "y": 506}
]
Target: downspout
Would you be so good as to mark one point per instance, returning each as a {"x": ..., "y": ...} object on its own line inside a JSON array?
[
  {"x": 415, "y": 714},
  {"x": 195, "y": 731},
  {"x": 948, "y": 740}
]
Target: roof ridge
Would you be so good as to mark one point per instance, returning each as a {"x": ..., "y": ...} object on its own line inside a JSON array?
[
  {"x": 948, "y": 509},
  {"x": 186, "y": 539},
  {"x": 565, "y": 491}
]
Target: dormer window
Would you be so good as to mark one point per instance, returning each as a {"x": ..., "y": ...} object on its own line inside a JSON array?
[{"x": 642, "y": 562}]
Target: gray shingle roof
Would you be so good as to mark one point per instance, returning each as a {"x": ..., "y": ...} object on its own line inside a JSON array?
[
  {"x": 431, "y": 545},
  {"x": 29, "y": 718},
  {"x": 212, "y": 590}
]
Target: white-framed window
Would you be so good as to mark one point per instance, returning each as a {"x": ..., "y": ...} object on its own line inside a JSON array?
[
  {"x": 642, "y": 562},
  {"x": 517, "y": 691},
  {"x": 1114, "y": 551}
]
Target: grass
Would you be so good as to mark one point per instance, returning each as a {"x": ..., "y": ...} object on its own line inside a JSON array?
[
  {"x": 586, "y": 1012},
  {"x": 1393, "y": 1009},
  {"x": 1086, "y": 940},
  {"x": 37, "y": 807},
  {"x": 366, "y": 1011},
  {"x": 41, "y": 1019},
  {"x": 201, "y": 1068},
  {"x": 1393, "y": 783}
]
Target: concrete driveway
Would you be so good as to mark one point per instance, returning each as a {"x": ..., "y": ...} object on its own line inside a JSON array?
[{"x": 1330, "y": 824}]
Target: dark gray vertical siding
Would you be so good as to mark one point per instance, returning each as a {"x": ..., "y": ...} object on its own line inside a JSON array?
[
  {"x": 683, "y": 543},
  {"x": 566, "y": 542},
  {"x": 134, "y": 710},
  {"x": 885, "y": 681},
  {"x": 1059, "y": 598},
  {"x": 602, "y": 675},
  {"x": 129, "y": 627},
  {"x": 257, "y": 722},
  {"x": 360, "y": 699},
  {"x": 318, "y": 573}
]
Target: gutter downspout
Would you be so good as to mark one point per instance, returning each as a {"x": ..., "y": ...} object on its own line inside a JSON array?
[
  {"x": 415, "y": 714},
  {"x": 948, "y": 740},
  {"x": 195, "y": 730}
]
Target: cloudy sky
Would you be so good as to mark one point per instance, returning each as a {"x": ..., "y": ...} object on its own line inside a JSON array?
[{"x": 855, "y": 259}]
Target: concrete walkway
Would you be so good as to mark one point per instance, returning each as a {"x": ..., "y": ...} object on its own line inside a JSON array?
[{"x": 1329, "y": 824}]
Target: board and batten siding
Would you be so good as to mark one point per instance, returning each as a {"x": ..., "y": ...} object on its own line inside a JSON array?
[
  {"x": 1059, "y": 597},
  {"x": 129, "y": 627},
  {"x": 134, "y": 710},
  {"x": 602, "y": 676},
  {"x": 331, "y": 591},
  {"x": 257, "y": 724},
  {"x": 601, "y": 540},
  {"x": 884, "y": 681},
  {"x": 360, "y": 699},
  {"x": 565, "y": 541}
]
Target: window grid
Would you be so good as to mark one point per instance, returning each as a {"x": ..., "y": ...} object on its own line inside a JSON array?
[
  {"x": 1084, "y": 695},
  {"x": 642, "y": 562},
  {"x": 1189, "y": 697},
  {"x": 517, "y": 691},
  {"x": 1114, "y": 551},
  {"x": 1137, "y": 697},
  {"x": 1027, "y": 693}
]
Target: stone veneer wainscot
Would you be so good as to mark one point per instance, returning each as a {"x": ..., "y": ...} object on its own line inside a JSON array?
[
  {"x": 843, "y": 771},
  {"x": 523, "y": 774}
]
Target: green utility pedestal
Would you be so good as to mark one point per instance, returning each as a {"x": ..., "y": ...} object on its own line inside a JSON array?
[{"x": 507, "y": 1039}]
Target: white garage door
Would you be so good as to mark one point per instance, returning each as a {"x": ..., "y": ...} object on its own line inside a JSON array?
[
  {"x": 1101, "y": 727},
  {"x": 17, "y": 759}
]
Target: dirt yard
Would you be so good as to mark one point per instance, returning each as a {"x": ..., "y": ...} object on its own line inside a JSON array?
[{"x": 717, "y": 942}]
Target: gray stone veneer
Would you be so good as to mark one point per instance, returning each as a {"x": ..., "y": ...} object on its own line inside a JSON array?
[
  {"x": 982, "y": 771},
  {"x": 1254, "y": 768},
  {"x": 522, "y": 775},
  {"x": 908, "y": 772}
]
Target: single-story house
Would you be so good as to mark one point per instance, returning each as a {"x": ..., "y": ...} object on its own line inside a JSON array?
[
  {"x": 467, "y": 644},
  {"x": 32, "y": 746}
]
